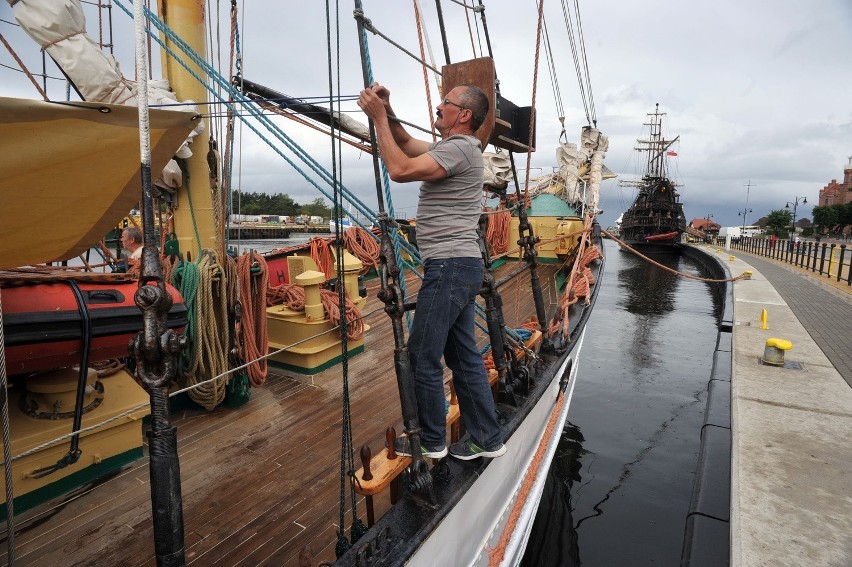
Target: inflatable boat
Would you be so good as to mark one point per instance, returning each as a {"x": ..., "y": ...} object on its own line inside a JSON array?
[{"x": 48, "y": 325}]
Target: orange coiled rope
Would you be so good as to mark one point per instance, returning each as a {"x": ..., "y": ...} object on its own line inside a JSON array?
[
  {"x": 293, "y": 297},
  {"x": 354, "y": 324},
  {"x": 579, "y": 282},
  {"x": 253, "y": 340},
  {"x": 497, "y": 235},
  {"x": 321, "y": 254},
  {"x": 363, "y": 246}
]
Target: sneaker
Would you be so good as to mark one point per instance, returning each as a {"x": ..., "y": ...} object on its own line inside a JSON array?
[
  {"x": 403, "y": 447},
  {"x": 468, "y": 450}
]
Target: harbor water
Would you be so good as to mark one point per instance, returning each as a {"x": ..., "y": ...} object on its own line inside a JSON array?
[{"x": 620, "y": 485}]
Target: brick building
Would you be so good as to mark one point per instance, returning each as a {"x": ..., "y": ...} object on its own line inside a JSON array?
[{"x": 838, "y": 193}]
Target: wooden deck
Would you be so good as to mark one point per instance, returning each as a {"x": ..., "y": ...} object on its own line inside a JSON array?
[{"x": 259, "y": 482}]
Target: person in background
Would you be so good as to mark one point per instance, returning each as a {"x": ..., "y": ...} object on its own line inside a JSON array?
[
  {"x": 131, "y": 240},
  {"x": 448, "y": 210}
]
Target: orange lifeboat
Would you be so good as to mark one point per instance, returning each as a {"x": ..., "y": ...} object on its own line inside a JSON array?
[{"x": 44, "y": 324}]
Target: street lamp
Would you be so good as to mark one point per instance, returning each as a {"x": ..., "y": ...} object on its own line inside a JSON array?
[
  {"x": 743, "y": 214},
  {"x": 795, "y": 206},
  {"x": 707, "y": 226}
]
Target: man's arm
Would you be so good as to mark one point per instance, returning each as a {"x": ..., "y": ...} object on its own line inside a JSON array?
[
  {"x": 411, "y": 146},
  {"x": 401, "y": 166}
]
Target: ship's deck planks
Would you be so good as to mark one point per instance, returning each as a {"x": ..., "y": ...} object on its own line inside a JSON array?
[{"x": 259, "y": 482}]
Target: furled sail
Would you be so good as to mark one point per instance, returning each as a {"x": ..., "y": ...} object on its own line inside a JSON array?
[
  {"x": 59, "y": 27},
  {"x": 71, "y": 171}
]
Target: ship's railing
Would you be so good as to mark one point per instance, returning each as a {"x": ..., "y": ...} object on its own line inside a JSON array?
[{"x": 827, "y": 259}]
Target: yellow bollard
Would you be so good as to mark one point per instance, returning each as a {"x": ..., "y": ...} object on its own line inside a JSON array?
[
  {"x": 773, "y": 352},
  {"x": 731, "y": 258},
  {"x": 763, "y": 317},
  {"x": 747, "y": 274},
  {"x": 831, "y": 262}
]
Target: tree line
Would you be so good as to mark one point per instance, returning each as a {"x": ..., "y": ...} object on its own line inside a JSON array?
[
  {"x": 829, "y": 219},
  {"x": 832, "y": 218},
  {"x": 278, "y": 204}
]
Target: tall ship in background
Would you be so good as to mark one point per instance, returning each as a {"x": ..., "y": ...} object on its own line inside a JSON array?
[{"x": 655, "y": 221}]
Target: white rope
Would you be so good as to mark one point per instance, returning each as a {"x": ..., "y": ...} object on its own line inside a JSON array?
[
  {"x": 7, "y": 448},
  {"x": 142, "y": 84}
]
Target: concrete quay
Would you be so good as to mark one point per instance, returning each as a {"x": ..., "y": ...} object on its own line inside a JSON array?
[{"x": 791, "y": 461}]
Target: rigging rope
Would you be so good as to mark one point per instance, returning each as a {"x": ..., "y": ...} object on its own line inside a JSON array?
[
  {"x": 347, "y": 450},
  {"x": 368, "y": 25},
  {"x": 24, "y": 68},
  {"x": 396, "y": 238},
  {"x": 579, "y": 282},
  {"x": 425, "y": 72},
  {"x": 668, "y": 269}
]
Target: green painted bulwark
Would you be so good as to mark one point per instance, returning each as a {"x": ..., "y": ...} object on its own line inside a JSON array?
[
  {"x": 316, "y": 369},
  {"x": 88, "y": 475}
]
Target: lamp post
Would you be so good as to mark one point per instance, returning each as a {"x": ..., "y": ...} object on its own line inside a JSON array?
[
  {"x": 743, "y": 213},
  {"x": 707, "y": 226},
  {"x": 795, "y": 206}
]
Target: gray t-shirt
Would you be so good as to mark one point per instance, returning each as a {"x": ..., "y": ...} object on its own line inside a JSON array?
[{"x": 448, "y": 210}]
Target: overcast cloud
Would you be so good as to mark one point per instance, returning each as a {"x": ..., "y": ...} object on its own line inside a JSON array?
[{"x": 758, "y": 91}]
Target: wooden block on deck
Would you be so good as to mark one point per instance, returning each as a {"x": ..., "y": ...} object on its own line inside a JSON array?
[
  {"x": 534, "y": 340},
  {"x": 384, "y": 472}
]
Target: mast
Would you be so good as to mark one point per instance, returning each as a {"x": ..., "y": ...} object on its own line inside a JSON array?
[
  {"x": 655, "y": 145},
  {"x": 195, "y": 201}
]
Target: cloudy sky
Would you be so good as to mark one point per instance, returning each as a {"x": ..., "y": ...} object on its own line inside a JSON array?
[{"x": 758, "y": 91}]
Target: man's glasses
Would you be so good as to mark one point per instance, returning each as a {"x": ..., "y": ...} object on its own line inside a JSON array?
[{"x": 448, "y": 101}]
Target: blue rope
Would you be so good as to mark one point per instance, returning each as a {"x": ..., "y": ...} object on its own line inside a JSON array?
[
  {"x": 520, "y": 335},
  {"x": 394, "y": 234}
]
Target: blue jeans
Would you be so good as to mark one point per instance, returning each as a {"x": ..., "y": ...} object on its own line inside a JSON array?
[{"x": 444, "y": 324}]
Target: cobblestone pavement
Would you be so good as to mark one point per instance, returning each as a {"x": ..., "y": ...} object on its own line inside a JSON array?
[{"x": 824, "y": 315}]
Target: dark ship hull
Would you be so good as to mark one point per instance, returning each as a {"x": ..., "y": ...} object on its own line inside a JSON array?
[{"x": 655, "y": 221}]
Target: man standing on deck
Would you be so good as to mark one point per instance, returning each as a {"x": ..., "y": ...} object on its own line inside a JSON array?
[{"x": 448, "y": 210}]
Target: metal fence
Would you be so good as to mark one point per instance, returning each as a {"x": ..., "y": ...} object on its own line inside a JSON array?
[{"x": 829, "y": 260}]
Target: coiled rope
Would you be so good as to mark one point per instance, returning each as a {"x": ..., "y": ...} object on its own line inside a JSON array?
[
  {"x": 322, "y": 255},
  {"x": 205, "y": 291},
  {"x": 293, "y": 296},
  {"x": 363, "y": 246},
  {"x": 522, "y": 333},
  {"x": 254, "y": 340},
  {"x": 497, "y": 235}
]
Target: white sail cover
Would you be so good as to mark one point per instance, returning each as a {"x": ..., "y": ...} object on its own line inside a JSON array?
[
  {"x": 595, "y": 145},
  {"x": 568, "y": 160},
  {"x": 59, "y": 27},
  {"x": 498, "y": 170}
]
